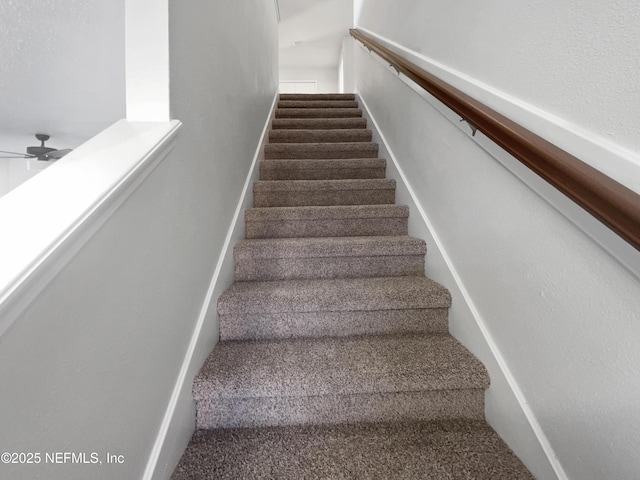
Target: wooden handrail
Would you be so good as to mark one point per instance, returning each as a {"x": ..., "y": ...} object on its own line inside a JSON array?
[{"x": 609, "y": 201}]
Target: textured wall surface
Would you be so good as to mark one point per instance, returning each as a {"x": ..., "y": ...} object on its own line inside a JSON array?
[
  {"x": 62, "y": 69},
  {"x": 576, "y": 60},
  {"x": 560, "y": 311},
  {"x": 92, "y": 363}
]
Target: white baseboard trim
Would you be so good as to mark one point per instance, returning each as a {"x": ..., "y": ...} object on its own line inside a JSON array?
[
  {"x": 447, "y": 274},
  {"x": 178, "y": 423}
]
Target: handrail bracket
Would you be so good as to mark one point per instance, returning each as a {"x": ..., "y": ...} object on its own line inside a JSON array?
[{"x": 472, "y": 125}]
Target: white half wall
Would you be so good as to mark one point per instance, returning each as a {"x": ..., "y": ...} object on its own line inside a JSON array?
[
  {"x": 98, "y": 359},
  {"x": 552, "y": 314}
]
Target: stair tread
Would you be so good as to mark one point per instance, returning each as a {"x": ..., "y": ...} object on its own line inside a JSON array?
[
  {"x": 324, "y": 162},
  {"x": 321, "y": 150},
  {"x": 319, "y": 123},
  {"x": 338, "y": 366},
  {"x": 324, "y": 135},
  {"x": 270, "y": 248},
  {"x": 324, "y": 168},
  {"x": 321, "y": 146},
  {"x": 326, "y": 212},
  {"x": 436, "y": 450},
  {"x": 325, "y": 185},
  {"x": 337, "y": 294},
  {"x": 317, "y": 103},
  {"x": 317, "y": 96},
  {"x": 317, "y": 112}
]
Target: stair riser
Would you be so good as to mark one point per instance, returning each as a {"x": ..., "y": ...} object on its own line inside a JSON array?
[
  {"x": 262, "y": 326},
  {"x": 343, "y": 227},
  {"x": 329, "y": 409},
  {"x": 328, "y": 267},
  {"x": 318, "y": 123},
  {"x": 267, "y": 173},
  {"x": 320, "y": 151},
  {"x": 320, "y": 136},
  {"x": 324, "y": 198},
  {"x": 317, "y": 96},
  {"x": 318, "y": 112},
  {"x": 322, "y": 169},
  {"x": 317, "y": 104}
]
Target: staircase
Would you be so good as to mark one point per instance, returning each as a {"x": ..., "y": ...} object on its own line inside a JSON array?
[{"x": 335, "y": 359}]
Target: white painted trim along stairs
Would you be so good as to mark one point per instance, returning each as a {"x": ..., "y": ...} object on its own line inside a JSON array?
[{"x": 177, "y": 425}]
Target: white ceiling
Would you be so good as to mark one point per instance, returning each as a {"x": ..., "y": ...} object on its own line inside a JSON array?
[{"x": 311, "y": 32}]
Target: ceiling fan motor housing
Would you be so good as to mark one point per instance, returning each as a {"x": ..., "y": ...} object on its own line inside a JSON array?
[
  {"x": 41, "y": 150},
  {"x": 37, "y": 151}
]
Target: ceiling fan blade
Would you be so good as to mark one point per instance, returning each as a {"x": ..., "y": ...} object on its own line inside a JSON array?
[
  {"x": 56, "y": 154},
  {"x": 21, "y": 155}
]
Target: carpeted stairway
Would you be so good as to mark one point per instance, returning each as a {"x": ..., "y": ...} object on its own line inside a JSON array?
[{"x": 335, "y": 359}]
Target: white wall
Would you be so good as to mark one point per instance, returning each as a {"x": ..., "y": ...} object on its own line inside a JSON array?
[
  {"x": 503, "y": 53},
  {"x": 62, "y": 73},
  {"x": 62, "y": 69},
  {"x": 224, "y": 96},
  {"x": 327, "y": 78},
  {"x": 100, "y": 359},
  {"x": 347, "y": 66},
  {"x": 5, "y": 166},
  {"x": 590, "y": 46},
  {"x": 558, "y": 314}
]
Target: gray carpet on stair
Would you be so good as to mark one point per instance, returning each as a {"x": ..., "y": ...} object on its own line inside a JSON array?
[
  {"x": 317, "y": 104},
  {"x": 291, "y": 193},
  {"x": 326, "y": 221},
  {"x": 320, "y": 135},
  {"x": 317, "y": 96},
  {"x": 318, "y": 123},
  {"x": 318, "y": 112},
  {"x": 328, "y": 213},
  {"x": 339, "y": 294},
  {"x": 329, "y": 247},
  {"x": 330, "y": 257},
  {"x": 335, "y": 360},
  {"x": 451, "y": 450},
  {"x": 321, "y": 150},
  {"x": 322, "y": 169},
  {"x": 339, "y": 380},
  {"x": 340, "y": 366},
  {"x": 264, "y": 326}
]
